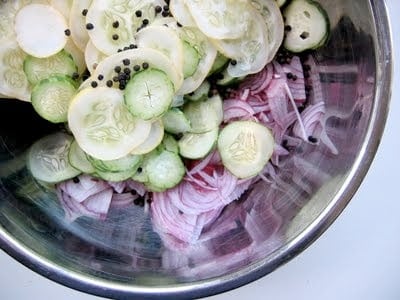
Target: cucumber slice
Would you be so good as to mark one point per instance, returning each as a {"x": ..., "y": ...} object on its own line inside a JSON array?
[
  {"x": 181, "y": 13},
  {"x": 273, "y": 19},
  {"x": 163, "y": 39},
  {"x": 104, "y": 15},
  {"x": 175, "y": 121},
  {"x": 103, "y": 126},
  {"x": 51, "y": 98},
  {"x": 48, "y": 158},
  {"x": 77, "y": 55},
  {"x": 32, "y": 24},
  {"x": 155, "y": 59},
  {"x": 128, "y": 162},
  {"x": 204, "y": 49},
  {"x": 204, "y": 115},
  {"x": 63, "y": 6},
  {"x": 250, "y": 51},
  {"x": 93, "y": 57},
  {"x": 77, "y": 23},
  {"x": 309, "y": 25},
  {"x": 227, "y": 80},
  {"x": 14, "y": 83},
  {"x": 198, "y": 145},
  {"x": 191, "y": 59},
  {"x": 164, "y": 170},
  {"x": 149, "y": 94},
  {"x": 223, "y": 19},
  {"x": 201, "y": 93},
  {"x": 219, "y": 64},
  {"x": 170, "y": 144},
  {"x": 37, "y": 69},
  {"x": 115, "y": 176},
  {"x": 245, "y": 147},
  {"x": 153, "y": 140},
  {"x": 79, "y": 160}
]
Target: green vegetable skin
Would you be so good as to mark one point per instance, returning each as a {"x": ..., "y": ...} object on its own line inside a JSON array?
[{"x": 144, "y": 82}]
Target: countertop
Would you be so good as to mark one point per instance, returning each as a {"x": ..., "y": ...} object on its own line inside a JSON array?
[{"x": 358, "y": 257}]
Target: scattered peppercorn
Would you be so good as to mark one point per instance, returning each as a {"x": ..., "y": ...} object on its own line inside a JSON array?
[
  {"x": 132, "y": 46},
  {"x": 94, "y": 84},
  {"x": 127, "y": 71},
  {"x": 136, "y": 68},
  {"x": 145, "y": 65},
  {"x": 233, "y": 62},
  {"x": 312, "y": 139},
  {"x": 67, "y": 32},
  {"x": 89, "y": 26},
  {"x": 115, "y": 24},
  {"x": 138, "y": 13},
  {"x": 76, "y": 180},
  {"x": 145, "y": 22},
  {"x": 117, "y": 69},
  {"x": 165, "y": 14},
  {"x": 126, "y": 62},
  {"x": 84, "y": 12},
  {"x": 100, "y": 77},
  {"x": 288, "y": 28},
  {"x": 109, "y": 83},
  {"x": 158, "y": 9},
  {"x": 115, "y": 37}
]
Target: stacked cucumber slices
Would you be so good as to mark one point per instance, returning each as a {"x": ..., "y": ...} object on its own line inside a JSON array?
[{"x": 130, "y": 81}]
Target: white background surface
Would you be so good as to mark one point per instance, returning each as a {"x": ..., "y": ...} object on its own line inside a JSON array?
[{"x": 358, "y": 257}]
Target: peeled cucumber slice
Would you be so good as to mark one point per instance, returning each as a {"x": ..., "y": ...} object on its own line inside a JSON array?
[
  {"x": 198, "y": 145},
  {"x": 245, "y": 147},
  {"x": 93, "y": 56},
  {"x": 77, "y": 23},
  {"x": 224, "y": 19},
  {"x": 102, "y": 125},
  {"x": 163, "y": 39},
  {"x": 154, "y": 139},
  {"x": 115, "y": 24},
  {"x": 181, "y": 13},
  {"x": 32, "y": 24}
]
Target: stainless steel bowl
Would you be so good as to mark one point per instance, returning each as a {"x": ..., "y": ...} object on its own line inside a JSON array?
[{"x": 123, "y": 258}]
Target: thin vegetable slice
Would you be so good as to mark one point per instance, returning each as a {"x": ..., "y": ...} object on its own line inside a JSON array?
[
  {"x": 40, "y": 30},
  {"x": 220, "y": 19},
  {"x": 77, "y": 23},
  {"x": 308, "y": 23},
  {"x": 102, "y": 125},
  {"x": 153, "y": 140},
  {"x": 181, "y": 13},
  {"x": 48, "y": 158},
  {"x": 93, "y": 56},
  {"x": 245, "y": 147}
]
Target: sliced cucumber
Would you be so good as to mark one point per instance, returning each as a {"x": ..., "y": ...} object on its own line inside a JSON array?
[
  {"x": 48, "y": 158},
  {"x": 122, "y": 164},
  {"x": 79, "y": 160},
  {"x": 153, "y": 140},
  {"x": 204, "y": 51},
  {"x": 149, "y": 94},
  {"x": 175, "y": 121},
  {"x": 137, "y": 57},
  {"x": 115, "y": 24},
  {"x": 51, "y": 98},
  {"x": 245, "y": 147},
  {"x": 77, "y": 55},
  {"x": 77, "y": 23},
  {"x": 198, "y": 145},
  {"x": 223, "y": 19},
  {"x": 191, "y": 60},
  {"x": 163, "y": 39},
  {"x": 37, "y": 69},
  {"x": 227, "y": 80},
  {"x": 204, "y": 115},
  {"x": 170, "y": 144},
  {"x": 164, "y": 170},
  {"x": 250, "y": 51},
  {"x": 14, "y": 83},
  {"x": 219, "y": 64},
  {"x": 201, "y": 93},
  {"x": 181, "y": 13},
  {"x": 273, "y": 20},
  {"x": 103, "y": 126},
  {"x": 115, "y": 176},
  {"x": 93, "y": 57},
  {"x": 308, "y": 23},
  {"x": 32, "y": 24}
]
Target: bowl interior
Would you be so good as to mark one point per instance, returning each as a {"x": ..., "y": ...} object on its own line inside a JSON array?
[{"x": 123, "y": 256}]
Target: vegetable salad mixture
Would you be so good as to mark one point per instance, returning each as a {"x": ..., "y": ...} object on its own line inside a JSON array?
[{"x": 178, "y": 106}]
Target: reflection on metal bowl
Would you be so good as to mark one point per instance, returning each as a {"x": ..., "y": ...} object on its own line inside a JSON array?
[{"x": 123, "y": 257}]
